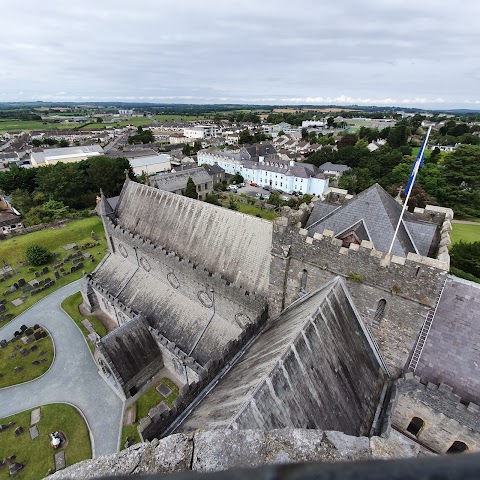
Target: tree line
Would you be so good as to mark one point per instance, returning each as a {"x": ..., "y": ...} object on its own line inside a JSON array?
[{"x": 57, "y": 191}]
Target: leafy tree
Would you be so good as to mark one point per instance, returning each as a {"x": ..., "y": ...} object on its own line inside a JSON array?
[
  {"x": 330, "y": 122},
  {"x": 237, "y": 178},
  {"x": 37, "y": 255},
  {"x": 187, "y": 150},
  {"x": 274, "y": 199},
  {"x": 304, "y": 133},
  {"x": 64, "y": 143},
  {"x": 466, "y": 257},
  {"x": 462, "y": 175},
  {"x": 245, "y": 137},
  {"x": 220, "y": 186},
  {"x": 99, "y": 120},
  {"x": 21, "y": 200},
  {"x": 108, "y": 174},
  {"x": 398, "y": 136},
  {"x": 55, "y": 210},
  {"x": 18, "y": 178},
  {"x": 347, "y": 140},
  {"x": 212, "y": 198},
  {"x": 191, "y": 189},
  {"x": 36, "y": 142}
]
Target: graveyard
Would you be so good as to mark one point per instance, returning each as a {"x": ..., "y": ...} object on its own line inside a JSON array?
[
  {"x": 25, "y": 448},
  {"x": 164, "y": 391},
  {"x": 76, "y": 247},
  {"x": 26, "y": 356}
]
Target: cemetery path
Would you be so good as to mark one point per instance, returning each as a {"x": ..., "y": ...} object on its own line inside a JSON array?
[{"x": 73, "y": 377}]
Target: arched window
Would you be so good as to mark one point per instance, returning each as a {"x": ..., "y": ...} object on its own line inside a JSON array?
[
  {"x": 415, "y": 426},
  {"x": 380, "y": 311},
  {"x": 458, "y": 447},
  {"x": 303, "y": 282}
]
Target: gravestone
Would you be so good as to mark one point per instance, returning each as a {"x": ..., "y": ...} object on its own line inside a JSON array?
[
  {"x": 36, "y": 326},
  {"x": 25, "y": 340},
  {"x": 45, "y": 270},
  {"x": 12, "y": 355},
  {"x": 164, "y": 390},
  {"x": 36, "y": 362},
  {"x": 3, "y": 302},
  {"x": 37, "y": 335},
  {"x": 60, "y": 460},
  {"x": 3, "y": 343},
  {"x": 42, "y": 353},
  {"x": 37, "y": 274},
  {"x": 17, "y": 302},
  {"x": 34, "y": 347},
  {"x": 24, "y": 352},
  {"x": 57, "y": 274},
  {"x": 15, "y": 467},
  {"x": 23, "y": 328},
  {"x": 35, "y": 416},
  {"x": 34, "y": 433},
  {"x": 19, "y": 430},
  {"x": 33, "y": 283},
  {"x": 3, "y": 308},
  {"x": 21, "y": 282},
  {"x": 28, "y": 331},
  {"x": 18, "y": 369}
]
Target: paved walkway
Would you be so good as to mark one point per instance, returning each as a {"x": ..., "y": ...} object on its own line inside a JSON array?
[{"x": 73, "y": 377}]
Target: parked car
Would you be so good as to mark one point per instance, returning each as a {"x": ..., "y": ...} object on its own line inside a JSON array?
[
  {"x": 284, "y": 197},
  {"x": 253, "y": 184},
  {"x": 266, "y": 196},
  {"x": 231, "y": 187},
  {"x": 258, "y": 194},
  {"x": 279, "y": 191},
  {"x": 240, "y": 185},
  {"x": 267, "y": 187}
]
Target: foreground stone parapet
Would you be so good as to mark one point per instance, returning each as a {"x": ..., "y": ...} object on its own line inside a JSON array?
[{"x": 225, "y": 449}]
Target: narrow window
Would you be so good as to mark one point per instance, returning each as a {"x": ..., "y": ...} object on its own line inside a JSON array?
[
  {"x": 303, "y": 282},
  {"x": 415, "y": 426},
  {"x": 379, "y": 312},
  {"x": 457, "y": 447}
]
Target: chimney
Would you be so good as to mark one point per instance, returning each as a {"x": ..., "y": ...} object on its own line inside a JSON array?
[
  {"x": 261, "y": 159},
  {"x": 292, "y": 163}
]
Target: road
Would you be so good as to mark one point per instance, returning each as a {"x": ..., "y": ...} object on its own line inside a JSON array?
[{"x": 73, "y": 377}]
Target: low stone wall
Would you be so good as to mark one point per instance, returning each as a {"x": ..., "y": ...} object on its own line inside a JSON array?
[{"x": 226, "y": 449}]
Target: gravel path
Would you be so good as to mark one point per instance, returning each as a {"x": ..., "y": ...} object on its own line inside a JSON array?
[{"x": 73, "y": 377}]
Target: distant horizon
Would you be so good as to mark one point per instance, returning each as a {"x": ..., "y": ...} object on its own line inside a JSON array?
[{"x": 139, "y": 103}]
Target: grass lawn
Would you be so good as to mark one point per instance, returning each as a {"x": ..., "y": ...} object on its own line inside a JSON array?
[
  {"x": 465, "y": 232},
  {"x": 148, "y": 400},
  {"x": 43, "y": 352},
  {"x": 12, "y": 252},
  {"x": 38, "y": 454},
  {"x": 70, "y": 305},
  {"x": 251, "y": 210},
  {"x": 415, "y": 151}
]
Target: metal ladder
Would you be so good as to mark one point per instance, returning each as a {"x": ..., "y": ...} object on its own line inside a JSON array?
[{"x": 422, "y": 338}]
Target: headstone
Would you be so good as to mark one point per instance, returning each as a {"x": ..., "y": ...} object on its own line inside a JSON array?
[
  {"x": 37, "y": 335},
  {"x": 34, "y": 347},
  {"x": 36, "y": 362},
  {"x": 18, "y": 369},
  {"x": 42, "y": 353},
  {"x": 34, "y": 432},
  {"x": 15, "y": 467},
  {"x": 24, "y": 352},
  {"x": 45, "y": 270},
  {"x": 12, "y": 355},
  {"x": 33, "y": 283},
  {"x": 23, "y": 328},
  {"x": 25, "y": 340},
  {"x": 36, "y": 326},
  {"x": 57, "y": 274},
  {"x": 69, "y": 246},
  {"x": 21, "y": 282},
  {"x": 37, "y": 274},
  {"x": 3, "y": 343},
  {"x": 19, "y": 430},
  {"x": 60, "y": 460},
  {"x": 3, "y": 302},
  {"x": 28, "y": 331},
  {"x": 17, "y": 302},
  {"x": 35, "y": 416},
  {"x": 164, "y": 390},
  {"x": 3, "y": 308}
]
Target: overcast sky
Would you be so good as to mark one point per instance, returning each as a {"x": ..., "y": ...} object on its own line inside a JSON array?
[{"x": 373, "y": 52}]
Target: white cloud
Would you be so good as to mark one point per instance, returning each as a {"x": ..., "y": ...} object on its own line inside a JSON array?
[{"x": 400, "y": 52}]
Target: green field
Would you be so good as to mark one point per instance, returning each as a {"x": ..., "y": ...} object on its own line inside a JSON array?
[
  {"x": 138, "y": 122},
  {"x": 179, "y": 118},
  {"x": 465, "y": 232},
  {"x": 7, "y": 365},
  {"x": 12, "y": 252},
  {"x": 38, "y": 454},
  {"x": 29, "y": 125}
]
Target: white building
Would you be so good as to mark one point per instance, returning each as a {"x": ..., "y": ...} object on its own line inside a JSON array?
[
  {"x": 286, "y": 175},
  {"x": 199, "y": 132},
  {"x": 52, "y": 156}
]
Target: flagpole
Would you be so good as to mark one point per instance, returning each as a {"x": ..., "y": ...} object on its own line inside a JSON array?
[{"x": 412, "y": 181}]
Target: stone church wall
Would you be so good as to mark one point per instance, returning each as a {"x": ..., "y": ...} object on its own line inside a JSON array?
[
  {"x": 302, "y": 262},
  {"x": 445, "y": 418}
]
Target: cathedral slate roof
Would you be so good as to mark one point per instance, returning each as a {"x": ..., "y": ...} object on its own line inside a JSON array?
[
  {"x": 451, "y": 353},
  {"x": 235, "y": 245},
  {"x": 302, "y": 371},
  {"x": 380, "y": 214}
]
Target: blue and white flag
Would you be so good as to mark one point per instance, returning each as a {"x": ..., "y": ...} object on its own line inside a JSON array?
[{"x": 418, "y": 163}]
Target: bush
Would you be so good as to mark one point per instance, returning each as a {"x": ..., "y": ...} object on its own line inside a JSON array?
[
  {"x": 37, "y": 255},
  {"x": 466, "y": 257}
]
